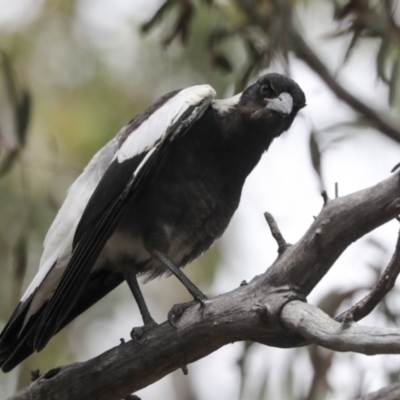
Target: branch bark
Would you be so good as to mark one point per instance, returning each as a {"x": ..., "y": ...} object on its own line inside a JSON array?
[
  {"x": 385, "y": 283},
  {"x": 250, "y": 312},
  {"x": 391, "y": 392},
  {"x": 319, "y": 328}
]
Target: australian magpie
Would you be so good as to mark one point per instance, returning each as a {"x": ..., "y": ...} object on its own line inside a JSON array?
[{"x": 150, "y": 201}]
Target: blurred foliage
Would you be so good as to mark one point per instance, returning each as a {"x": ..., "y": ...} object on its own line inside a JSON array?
[
  {"x": 13, "y": 135},
  {"x": 266, "y": 28},
  {"x": 89, "y": 70},
  {"x": 373, "y": 19}
]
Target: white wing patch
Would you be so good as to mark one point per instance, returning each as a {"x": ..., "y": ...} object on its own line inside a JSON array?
[
  {"x": 155, "y": 127},
  {"x": 59, "y": 238}
]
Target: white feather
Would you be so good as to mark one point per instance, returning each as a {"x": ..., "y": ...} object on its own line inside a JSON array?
[
  {"x": 223, "y": 106},
  {"x": 156, "y": 126},
  {"x": 58, "y": 241}
]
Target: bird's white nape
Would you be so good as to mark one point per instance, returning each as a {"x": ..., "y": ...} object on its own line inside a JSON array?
[{"x": 225, "y": 105}]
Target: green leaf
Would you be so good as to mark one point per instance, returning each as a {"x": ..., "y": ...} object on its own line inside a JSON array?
[
  {"x": 222, "y": 62},
  {"x": 23, "y": 112},
  {"x": 381, "y": 59},
  {"x": 10, "y": 81},
  {"x": 353, "y": 42},
  {"x": 8, "y": 162},
  {"x": 394, "y": 82},
  {"x": 20, "y": 102},
  {"x": 158, "y": 16},
  {"x": 20, "y": 261},
  {"x": 315, "y": 154}
]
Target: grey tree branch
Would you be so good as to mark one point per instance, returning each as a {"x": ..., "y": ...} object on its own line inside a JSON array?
[
  {"x": 276, "y": 233},
  {"x": 250, "y": 312},
  {"x": 319, "y": 328},
  {"x": 379, "y": 291},
  {"x": 340, "y": 222},
  {"x": 391, "y": 392}
]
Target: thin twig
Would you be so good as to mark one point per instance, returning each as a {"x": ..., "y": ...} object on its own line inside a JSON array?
[
  {"x": 336, "y": 190},
  {"x": 395, "y": 168},
  {"x": 382, "y": 287},
  {"x": 276, "y": 233}
]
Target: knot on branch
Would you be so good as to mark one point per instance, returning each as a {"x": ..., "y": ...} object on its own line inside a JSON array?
[
  {"x": 51, "y": 373},
  {"x": 35, "y": 375},
  {"x": 318, "y": 240},
  {"x": 275, "y": 300},
  {"x": 263, "y": 312},
  {"x": 347, "y": 320},
  {"x": 184, "y": 369}
]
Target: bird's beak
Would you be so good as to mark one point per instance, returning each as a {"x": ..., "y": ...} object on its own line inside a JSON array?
[{"x": 282, "y": 104}]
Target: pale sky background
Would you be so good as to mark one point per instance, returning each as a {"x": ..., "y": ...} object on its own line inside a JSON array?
[{"x": 284, "y": 184}]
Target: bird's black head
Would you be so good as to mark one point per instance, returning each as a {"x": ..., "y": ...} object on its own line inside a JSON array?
[{"x": 273, "y": 102}]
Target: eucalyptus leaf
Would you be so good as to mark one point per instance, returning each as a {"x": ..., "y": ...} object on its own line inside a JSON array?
[
  {"x": 381, "y": 59},
  {"x": 158, "y": 16},
  {"x": 350, "y": 48},
  {"x": 394, "y": 82},
  {"x": 23, "y": 115},
  {"x": 8, "y": 162},
  {"x": 315, "y": 154}
]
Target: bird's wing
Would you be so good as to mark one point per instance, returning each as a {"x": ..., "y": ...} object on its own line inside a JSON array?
[
  {"x": 120, "y": 185},
  {"x": 142, "y": 144},
  {"x": 59, "y": 237}
]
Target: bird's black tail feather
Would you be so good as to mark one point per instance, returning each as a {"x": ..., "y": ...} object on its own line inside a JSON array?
[{"x": 17, "y": 341}]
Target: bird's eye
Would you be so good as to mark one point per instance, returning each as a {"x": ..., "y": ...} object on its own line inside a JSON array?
[{"x": 265, "y": 90}]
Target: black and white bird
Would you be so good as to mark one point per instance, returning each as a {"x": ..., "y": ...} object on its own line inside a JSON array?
[{"x": 150, "y": 201}]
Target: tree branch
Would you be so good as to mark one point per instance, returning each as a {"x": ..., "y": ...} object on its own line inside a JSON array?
[
  {"x": 341, "y": 222},
  {"x": 129, "y": 367},
  {"x": 391, "y": 392},
  {"x": 276, "y": 233},
  {"x": 319, "y": 328},
  {"x": 250, "y": 312},
  {"x": 378, "y": 292}
]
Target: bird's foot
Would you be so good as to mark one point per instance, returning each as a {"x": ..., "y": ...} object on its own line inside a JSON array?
[
  {"x": 138, "y": 332},
  {"x": 178, "y": 309}
]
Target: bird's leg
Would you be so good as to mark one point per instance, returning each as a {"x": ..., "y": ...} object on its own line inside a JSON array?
[
  {"x": 148, "y": 321},
  {"x": 197, "y": 294},
  {"x": 178, "y": 309}
]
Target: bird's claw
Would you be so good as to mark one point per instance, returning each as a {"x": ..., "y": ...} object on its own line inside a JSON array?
[
  {"x": 136, "y": 334},
  {"x": 176, "y": 312},
  {"x": 178, "y": 309}
]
